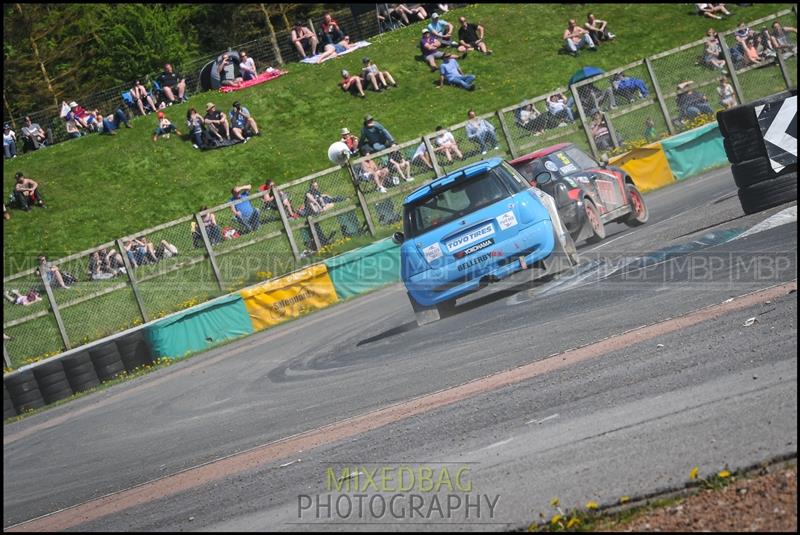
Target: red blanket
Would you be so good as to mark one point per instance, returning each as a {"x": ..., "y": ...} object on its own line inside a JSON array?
[{"x": 260, "y": 79}]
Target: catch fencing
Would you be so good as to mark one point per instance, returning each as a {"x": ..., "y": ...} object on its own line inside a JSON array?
[{"x": 174, "y": 266}]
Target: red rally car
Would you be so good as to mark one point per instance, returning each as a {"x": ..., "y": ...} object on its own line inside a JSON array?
[{"x": 588, "y": 194}]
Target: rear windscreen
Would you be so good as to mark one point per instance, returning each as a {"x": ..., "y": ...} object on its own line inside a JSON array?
[{"x": 457, "y": 200}]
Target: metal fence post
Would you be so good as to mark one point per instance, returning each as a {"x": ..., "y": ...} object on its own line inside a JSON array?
[
  {"x": 54, "y": 306},
  {"x": 434, "y": 161},
  {"x": 6, "y": 359},
  {"x": 784, "y": 71},
  {"x": 201, "y": 226},
  {"x": 611, "y": 131},
  {"x": 129, "y": 272},
  {"x": 731, "y": 68},
  {"x": 586, "y": 126},
  {"x": 314, "y": 235},
  {"x": 285, "y": 220},
  {"x": 660, "y": 96},
  {"x": 362, "y": 201},
  {"x": 506, "y": 134}
]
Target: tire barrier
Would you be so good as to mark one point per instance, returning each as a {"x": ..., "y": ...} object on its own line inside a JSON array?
[
  {"x": 134, "y": 350},
  {"x": 79, "y": 369},
  {"x": 8, "y": 405},
  {"x": 24, "y": 391},
  {"x": 52, "y": 381},
  {"x": 107, "y": 361},
  {"x": 760, "y": 140}
]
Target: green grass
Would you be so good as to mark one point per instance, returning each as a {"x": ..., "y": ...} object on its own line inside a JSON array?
[{"x": 100, "y": 188}]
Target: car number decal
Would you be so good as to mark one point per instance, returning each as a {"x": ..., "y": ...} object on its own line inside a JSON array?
[
  {"x": 506, "y": 220},
  {"x": 470, "y": 237}
]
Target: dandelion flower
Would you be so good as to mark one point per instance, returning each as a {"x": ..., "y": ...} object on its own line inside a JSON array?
[
  {"x": 592, "y": 505},
  {"x": 724, "y": 474},
  {"x": 555, "y": 520},
  {"x": 574, "y": 521},
  {"x": 624, "y": 499},
  {"x": 693, "y": 473},
  {"x": 554, "y": 502}
]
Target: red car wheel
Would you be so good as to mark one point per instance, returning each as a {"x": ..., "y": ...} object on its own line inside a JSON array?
[{"x": 639, "y": 213}]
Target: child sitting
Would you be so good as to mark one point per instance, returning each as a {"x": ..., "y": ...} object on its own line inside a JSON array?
[{"x": 164, "y": 127}]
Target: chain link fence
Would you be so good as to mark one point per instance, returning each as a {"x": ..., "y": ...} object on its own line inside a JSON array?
[{"x": 277, "y": 229}]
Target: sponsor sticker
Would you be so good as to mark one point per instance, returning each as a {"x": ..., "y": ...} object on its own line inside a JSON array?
[
  {"x": 432, "y": 252},
  {"x": 506, "y": 220},
  {"x": 475, "y": 248},
  {"x": 470, "y": 237},
  {"x": 550, "y": 166},
  {"x": 569, "y": 168},
  {"x": 473, "y": 262}
]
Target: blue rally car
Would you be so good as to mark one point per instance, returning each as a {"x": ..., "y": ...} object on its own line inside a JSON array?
[{"x": 477, "y": 225}]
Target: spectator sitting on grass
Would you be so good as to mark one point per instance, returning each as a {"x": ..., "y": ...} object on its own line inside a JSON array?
[
  {"x": 317, "y": 202},
  {"x": 165, "y": 127},
  {"x": 404, "y": 13},
  {"x": 430, "y": 46},
  {"x": 331, "y": 32},
  {"x": 690, "y": 103},
  {"x": 751, "y": 55},
  {"x": 401, "y": 165},
  {"x": 712, "y": 55},
  {"x": 109, "y": 123},
  {"x": 727, "y": 97},
  {"x": 139, "y": 95},
  {"x": 600, "y": 133},
  {"x": 331, "y": 51},
  {"x": 212, "y": 229},
  {"x": 227, "y": 72},
  {"x": 451, "y": 71},
  {"x": 629, "y": 86},
  {"x": 216, "y": 121},
  {"x": 780, "y": 41},
  {"x": 374, "y": 137},
  {"x": 245, "y": 213},
  {"x": 371, "y": 171},
  {"x": 576, "y": 37},
  {"x": 54, "y": 275},
  {"x": 742, "y": 32},
  {"x": 470, "y": 37},
  {"x": 19, "y": 299},
  {"x": 247, "y": 67},
  {"x": 598, "y": 29},
  {"x": 34, "y": 134},
  {"x": 104, "y": 265},
  {"x": 195, "y": 124},
  {"x": 350, "y": 140},
  {"x": 528, "y": 118},
  {"x": 446, "y": 143},
  {"x": 352, "y": 82},
  {"x": 79, "y": 117},
  {"x": 270, "y": 196},
  {"x": 171, "y": 83},
  {"x": 242, "y": 122},
  {"x": 712, "y": 10},
  {"x": 421, "y": 155},
  {"x": 376, "y": 77},
  {"x": 26, "y": 192},
  {"x": 9, "y": 142},
  {"x": 304, "y": 38},
  {"x": 558, "y": 108},
  {"x": 441, "y": 30},
  {"x": 481, "y": 131}
]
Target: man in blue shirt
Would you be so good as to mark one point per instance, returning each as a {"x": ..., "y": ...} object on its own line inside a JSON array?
[
  {"x": 441, "y": 30},
  {"x": 241, "y": 121},
  {"x": 246, "y": 215},
  {"x": 451, "y": 72}
]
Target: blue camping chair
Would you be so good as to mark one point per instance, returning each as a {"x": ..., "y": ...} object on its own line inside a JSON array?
[{"x": 127, "y": 98}]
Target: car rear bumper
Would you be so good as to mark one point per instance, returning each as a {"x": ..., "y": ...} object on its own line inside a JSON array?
[{"x": 434, "y": 286}]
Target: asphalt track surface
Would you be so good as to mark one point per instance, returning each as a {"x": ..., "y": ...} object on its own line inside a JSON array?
[{"x": 595, "y": 406}]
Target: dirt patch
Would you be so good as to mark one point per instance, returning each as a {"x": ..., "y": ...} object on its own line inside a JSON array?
[{"x": 766, "y": 502}]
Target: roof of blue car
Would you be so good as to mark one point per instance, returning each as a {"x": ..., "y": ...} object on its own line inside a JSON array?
[{"x": 464, "y": 172}]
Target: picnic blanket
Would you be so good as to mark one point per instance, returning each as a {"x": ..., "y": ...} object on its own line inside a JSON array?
[
  {"x": 357, "y": 45},
  {"x": 265, "y": 76}
]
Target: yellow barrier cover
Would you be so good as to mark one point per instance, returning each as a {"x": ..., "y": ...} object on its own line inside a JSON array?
[
  {"x": 647, "y": 166},
  {"x": 289, "y": 297}
]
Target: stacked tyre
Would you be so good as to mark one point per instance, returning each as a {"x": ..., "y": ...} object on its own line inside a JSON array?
[
  {"x": 52, "y": 380},
  {"x": 134, "y": 350},
  {"x": 760, "y": 187},
  {"x": 80, "y": 371},
  {"x": 107, "y": 361},
  {"x": 24, "y": 391}
]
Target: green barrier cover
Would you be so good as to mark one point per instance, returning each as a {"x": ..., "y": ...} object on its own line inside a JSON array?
[
  {"x": 365, "y": 269},
  {"x": 200, "y": 327},
  {"x": 695, "y": 151}
]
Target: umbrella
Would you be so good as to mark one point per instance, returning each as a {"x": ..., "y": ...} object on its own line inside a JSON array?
[{"x": 585, "y": 72}]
